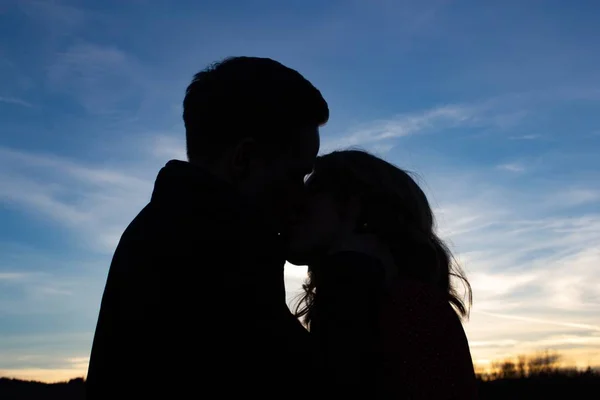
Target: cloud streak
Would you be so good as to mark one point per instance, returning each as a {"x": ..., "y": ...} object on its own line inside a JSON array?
[
  {"x": 526, "y": 137},
  {"x": 531, "y": 256},
  {"x": 104, "y": 79},
  {"x": 15, "y": 101},
  {"x": 544, "y": 321},
  {"x": 96, "y": 201},
  {"x": 497, "y": 113},
  {"x": 511, "y": 167},
  {"x": 443, "y": 117},
  {"x": 12, "y": 276}
]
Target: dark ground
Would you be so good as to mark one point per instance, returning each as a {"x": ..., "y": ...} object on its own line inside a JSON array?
[{"x": 555, "y": 387}]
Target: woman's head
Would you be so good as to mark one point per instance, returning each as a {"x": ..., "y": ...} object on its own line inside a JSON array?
[{"x": 374, "y": 196}]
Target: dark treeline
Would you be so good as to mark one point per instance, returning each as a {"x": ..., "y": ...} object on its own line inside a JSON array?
[
  {"x": 558, "y": 385},
  {"x": 562, "y": 383},
  {"x": 537, "y": 376},
  {"x": 13, "y": 389},
  {"x": 540, "y": 365},
  {"x": 524, "y": 377}
]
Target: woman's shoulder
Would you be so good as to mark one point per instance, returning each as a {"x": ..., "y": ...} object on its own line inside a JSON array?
[
  {"x": 420, "y": 312},
  {"x": 413, "y": 296},
  {"x": 424, "y": 344}
]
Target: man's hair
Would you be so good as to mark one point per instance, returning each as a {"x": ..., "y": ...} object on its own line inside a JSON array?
[{"x": 248, "y": 97}]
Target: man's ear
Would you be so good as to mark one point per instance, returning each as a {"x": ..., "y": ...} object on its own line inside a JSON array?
[{"x": 242, "y": 157}]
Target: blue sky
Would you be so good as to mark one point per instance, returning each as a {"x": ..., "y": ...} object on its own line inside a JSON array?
[{"x": 494, "y": 105}]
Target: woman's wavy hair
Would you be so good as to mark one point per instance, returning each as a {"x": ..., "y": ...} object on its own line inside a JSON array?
[{"x": 396, "y": 210}]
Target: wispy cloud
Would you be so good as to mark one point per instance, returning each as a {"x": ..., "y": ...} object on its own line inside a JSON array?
[
  {"x": 498, "y": 113},
  {"x": 39, "y": 294},
  {"x": 94, "y": 200},
  {"x": 526, "y": 137},
  {"x": 498, "y": 284},
  {"x": 44, "y": 367},
  {"x": 569, "y": 197},
  {"x": 105, "y": 79},
  {"x": 404, "y": 125},
  {"x": 532, "y": 266},
  {"x": 166, "y": 146},
  {"x": 15, "y": 101},
  {"x": 512, "y": 167},
  {"x": 12, "y": 276},
  {"x": 595, "y": 328}
]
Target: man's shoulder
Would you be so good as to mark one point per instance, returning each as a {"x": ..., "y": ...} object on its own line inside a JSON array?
[
  {"x": 162, "y": 222},
  {"x": 160, "y": 234}
]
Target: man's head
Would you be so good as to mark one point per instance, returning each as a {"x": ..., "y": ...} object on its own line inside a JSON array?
[{"x": 255, "y": 123}]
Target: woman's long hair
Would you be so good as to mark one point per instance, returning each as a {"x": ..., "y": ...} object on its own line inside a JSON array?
[{"x": 395, "y": 209}]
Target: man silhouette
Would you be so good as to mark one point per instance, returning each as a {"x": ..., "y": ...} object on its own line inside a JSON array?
[{"x": 195, "y": 300}]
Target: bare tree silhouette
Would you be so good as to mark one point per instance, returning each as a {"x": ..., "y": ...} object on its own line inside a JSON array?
[{"x": 522, "y": 366}]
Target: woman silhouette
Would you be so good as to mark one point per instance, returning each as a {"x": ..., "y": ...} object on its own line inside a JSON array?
[{"x": 379, "y": 300}]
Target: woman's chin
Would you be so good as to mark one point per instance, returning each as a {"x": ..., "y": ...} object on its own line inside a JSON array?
[
  {"x": 304, "y": 256},
  {"x": 296, "y": 255},
  {"x": 297, "y": 259}
]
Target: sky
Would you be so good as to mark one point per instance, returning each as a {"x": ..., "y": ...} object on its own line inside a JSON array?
[{"x": 493, "y": 104}]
